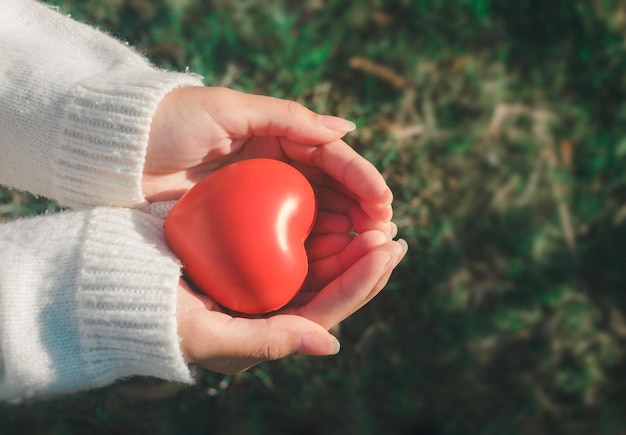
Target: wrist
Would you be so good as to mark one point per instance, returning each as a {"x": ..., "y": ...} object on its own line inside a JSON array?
[
  {"x": 127, "y": 299},
  {"x": 105, "y": 136}
]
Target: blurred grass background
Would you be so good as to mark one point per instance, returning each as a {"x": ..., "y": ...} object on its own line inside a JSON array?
[{"x": 501, "y": 127}]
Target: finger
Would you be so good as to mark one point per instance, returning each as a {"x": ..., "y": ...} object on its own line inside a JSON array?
[
  {"x": 257, "y": 115},
  {"x": 325, "y": 245},
  {"x": 323, "y": 271},
  {"x": 231, "y": 344},
  {"x": 322, "y": 182},
  {"x": 331, "y": 223},
  {"x": 320, "y": 179},
  {"x": 384, "y": 279},
  {"x": 363, "y": 222},
  {"x": 350, "y": 169},
  {"x": 306, "y": 295},
  {"x": 330, "y": 200},
  {"x": 393, "y": 230},
  {"x": 343, "y": 295}
]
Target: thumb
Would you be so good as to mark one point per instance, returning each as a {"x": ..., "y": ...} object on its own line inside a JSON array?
[
  {"x": 274, "y": 338},
  {"x": 225, "y": 344},
  {"x": 258, "y": 115}
]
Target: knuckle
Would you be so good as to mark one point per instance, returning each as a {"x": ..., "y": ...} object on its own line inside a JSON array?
[
  {"x": 317, "y": 159},
  {"x": 294, "y": 108},
  {"x": 273, "y": 348}
]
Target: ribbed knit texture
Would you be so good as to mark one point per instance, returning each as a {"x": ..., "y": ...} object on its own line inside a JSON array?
[
  {"x": 81, "y": 101},
  {"x": 110, "y": 118},
  {"x": 159, "y": 209},
  {"x": 86, "y": 298}
]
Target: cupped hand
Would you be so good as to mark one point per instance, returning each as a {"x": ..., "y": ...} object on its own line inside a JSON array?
[
  {"x": 197, "y": 130},
  {"x": 226, "y": 343}
]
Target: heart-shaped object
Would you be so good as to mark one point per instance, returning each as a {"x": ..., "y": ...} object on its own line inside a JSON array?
[{"x": 240, "y": 234}]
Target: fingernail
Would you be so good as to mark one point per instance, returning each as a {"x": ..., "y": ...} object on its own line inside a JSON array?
[
  {"x": 394, "y": 229},
  {"x": 405, "y": 246},
  {"x": 337, "y": 124},
  {"x": 398, "y": 256},
  {"x": 317, "y": 344}
]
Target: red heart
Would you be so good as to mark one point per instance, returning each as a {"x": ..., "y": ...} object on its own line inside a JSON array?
[{"x": 240, "y": 234}]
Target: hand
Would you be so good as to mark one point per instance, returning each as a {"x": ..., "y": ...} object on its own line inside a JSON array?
[
  {"x": 351, "y": 253},
  {"x": 197, "y": 130},
  {"x": 221, "y": 342}
]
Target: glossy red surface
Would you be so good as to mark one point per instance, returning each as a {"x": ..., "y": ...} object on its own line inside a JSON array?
[{"x": 240, "y": 234}]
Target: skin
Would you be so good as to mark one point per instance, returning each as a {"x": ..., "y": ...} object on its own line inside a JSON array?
[{"x": 197, "y": 130}]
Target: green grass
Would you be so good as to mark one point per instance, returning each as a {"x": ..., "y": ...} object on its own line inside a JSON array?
[{"x": 500, "y": 127}]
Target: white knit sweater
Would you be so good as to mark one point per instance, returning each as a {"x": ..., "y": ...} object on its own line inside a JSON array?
[{"x": 86, "y": 296}]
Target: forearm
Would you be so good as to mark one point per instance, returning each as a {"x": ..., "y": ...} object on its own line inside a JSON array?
[
  {"x": 76, "y": 108},
  {"x": 86, "y": 298}
]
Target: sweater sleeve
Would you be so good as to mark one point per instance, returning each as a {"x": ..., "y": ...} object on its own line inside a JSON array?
[
  {"x": 86, "y": 297},
  {"x": 76, "y": 108}
]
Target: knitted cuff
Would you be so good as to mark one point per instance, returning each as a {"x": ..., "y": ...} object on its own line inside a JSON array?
[
  {"x": 126, "y": 300},
  {"x": 87, "y": 298},
  {"x": 104, "y": 136}
]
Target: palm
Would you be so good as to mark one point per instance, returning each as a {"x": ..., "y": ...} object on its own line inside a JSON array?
[
  {"x": 195, "y": 137},
  {"x": 338, "y": 285},
  {"x": 350, "y": 252}
]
